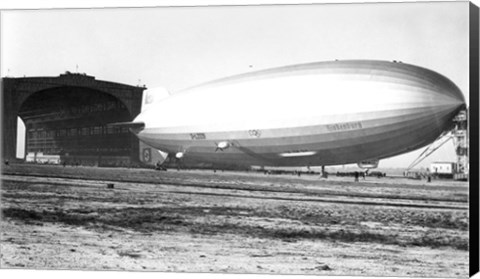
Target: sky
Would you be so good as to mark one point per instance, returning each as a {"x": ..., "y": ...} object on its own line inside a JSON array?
[{"x": 178, "y": 47}]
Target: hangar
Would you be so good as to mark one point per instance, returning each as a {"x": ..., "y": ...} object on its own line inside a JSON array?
[{"x": 65, "y": 117}]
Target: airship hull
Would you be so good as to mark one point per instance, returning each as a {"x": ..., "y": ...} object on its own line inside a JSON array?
[{"x": 325, "y": 113}]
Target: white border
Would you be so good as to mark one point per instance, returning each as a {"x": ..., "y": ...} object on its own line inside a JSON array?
[{"x": 59, "y": 4}]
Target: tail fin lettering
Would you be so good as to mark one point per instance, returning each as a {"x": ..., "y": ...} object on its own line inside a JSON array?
[{"x": 152, "y": 96}]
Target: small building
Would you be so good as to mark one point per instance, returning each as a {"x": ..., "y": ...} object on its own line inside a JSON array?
[
  {"x": 443, "y": 169},
  {"x": 39, "y": 157}
]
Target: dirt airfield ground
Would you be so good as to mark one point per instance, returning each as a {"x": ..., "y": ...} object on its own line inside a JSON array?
[{"x": 200, "y": 221}]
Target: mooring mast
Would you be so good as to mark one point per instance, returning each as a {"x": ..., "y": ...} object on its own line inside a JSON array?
[
  {"x": 461, "y": 143},
  {"x": 459, "y": 135}
]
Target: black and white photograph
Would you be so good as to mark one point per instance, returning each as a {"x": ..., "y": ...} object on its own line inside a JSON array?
[{"x": 327, "y": 139}]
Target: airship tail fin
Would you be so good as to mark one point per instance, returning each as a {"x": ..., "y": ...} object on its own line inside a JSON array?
[
  {"x": 151, "y": 156},
  {"x": 152, "y": 96}
]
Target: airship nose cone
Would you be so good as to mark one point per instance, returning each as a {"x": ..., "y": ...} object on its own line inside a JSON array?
[
  {"x": 450, "y": 96},
  {"x": 447, "y": 102}
]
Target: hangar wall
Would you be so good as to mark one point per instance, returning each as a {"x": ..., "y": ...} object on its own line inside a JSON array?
[{"x": 66, "y": 117}]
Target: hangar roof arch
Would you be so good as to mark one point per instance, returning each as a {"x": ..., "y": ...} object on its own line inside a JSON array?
[{"x": 22, "y": 88}]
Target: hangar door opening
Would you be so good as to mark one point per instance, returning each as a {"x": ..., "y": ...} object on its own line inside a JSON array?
[{"x": 68, "y": 125}]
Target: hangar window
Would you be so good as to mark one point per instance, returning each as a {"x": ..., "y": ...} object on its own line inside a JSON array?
[
  {"x": 83, "y": 109},
  {"x": 41, "y": 134},
  {"x": 85, "y": 131},
  {"x": 97, "y": 130},
  {"x": 109, "y": 130}
]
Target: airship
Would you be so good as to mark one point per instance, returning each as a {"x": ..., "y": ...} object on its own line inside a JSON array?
[{"x": 315, "y": 114}]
